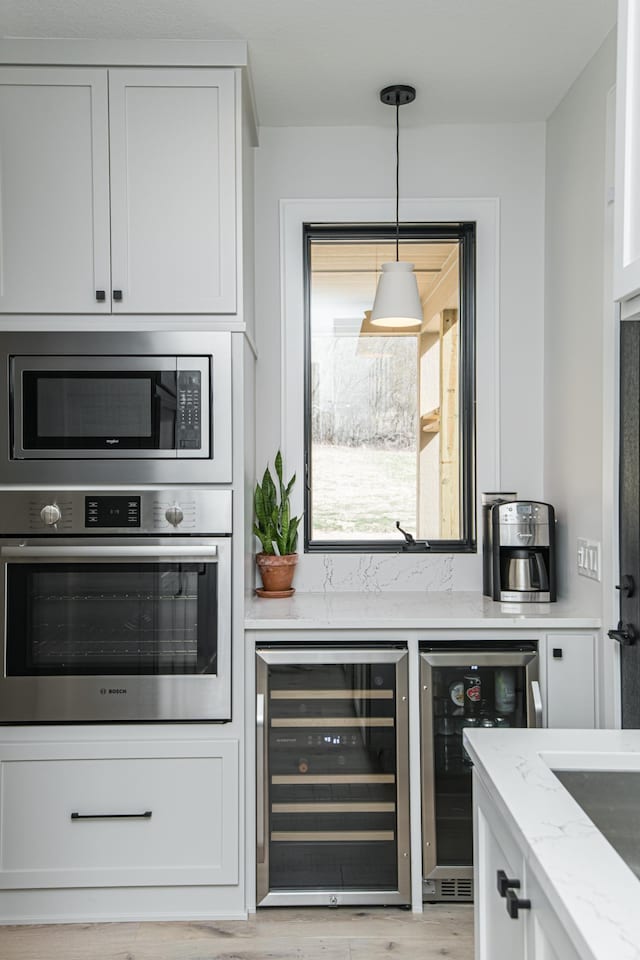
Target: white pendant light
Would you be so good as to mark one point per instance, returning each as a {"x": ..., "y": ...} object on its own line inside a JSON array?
[{"x": 397, "y": 301}]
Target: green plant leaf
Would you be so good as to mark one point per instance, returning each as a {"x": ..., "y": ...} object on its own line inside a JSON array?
[
  {"x": 267, "y": 543},
  {"x": 259, "y": 506},
  {"x": 292, "y": 540}
]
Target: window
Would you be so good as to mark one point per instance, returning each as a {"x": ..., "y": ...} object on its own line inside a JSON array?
[{"x": 389, "y": 414}]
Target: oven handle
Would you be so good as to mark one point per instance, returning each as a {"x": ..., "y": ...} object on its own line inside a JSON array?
[{"x": 176, "y": 552}]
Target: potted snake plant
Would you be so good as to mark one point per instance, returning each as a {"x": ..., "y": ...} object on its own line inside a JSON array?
[{"x": 277, "y": 532}]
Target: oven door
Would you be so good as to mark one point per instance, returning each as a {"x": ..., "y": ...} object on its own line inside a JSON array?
[{"x": 108, "y": 629}]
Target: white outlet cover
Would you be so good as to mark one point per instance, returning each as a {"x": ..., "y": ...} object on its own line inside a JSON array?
[{"x": 588, "y": 558}]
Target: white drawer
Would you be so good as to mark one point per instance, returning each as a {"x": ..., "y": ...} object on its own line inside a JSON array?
[{"x": 190, "y": 837}]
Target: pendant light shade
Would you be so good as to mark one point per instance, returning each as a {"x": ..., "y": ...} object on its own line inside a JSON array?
[{"x": 397, "y": 301}]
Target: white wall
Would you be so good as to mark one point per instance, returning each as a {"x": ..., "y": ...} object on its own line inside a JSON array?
[
  {"x": 503, "y": 161},
  {"x": 575, "y": 317}
]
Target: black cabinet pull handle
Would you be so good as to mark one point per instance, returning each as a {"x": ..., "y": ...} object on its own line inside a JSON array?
[
  {"x": 112, "y": 816},
  {"x": 100, "y": 296},
  {"x": 503, "y": 883},
  {"x": 514, "y": 904},
  {"x": 627, "y": 586},
  {"x": 557, "y": 653},
  {"x": 117, "y": 295},
  {"x": 624, "y": 634}
]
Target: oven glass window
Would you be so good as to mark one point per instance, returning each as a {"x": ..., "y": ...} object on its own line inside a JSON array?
[
  {"x": 105, "y": 410},
  {"x": 78, "y": 619}
]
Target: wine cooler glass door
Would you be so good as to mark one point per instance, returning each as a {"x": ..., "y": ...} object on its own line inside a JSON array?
[
  {"x": 333, "y": 778},
  {"x": 489, "y": 687}
]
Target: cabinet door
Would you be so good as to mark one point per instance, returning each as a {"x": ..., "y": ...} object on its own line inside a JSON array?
[
  {"x": 546, "y": 938},
  {"x": 497, "y": 935},
  {"x": 173, "y": 193},
  {"x": 570, "y": 681},
  {"x": 132, "y": 814},
  {"x": 54, "y": 190},
  {"x": 627, "y": 177}
]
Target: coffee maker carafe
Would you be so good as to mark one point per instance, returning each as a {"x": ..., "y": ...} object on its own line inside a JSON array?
[{"x": 519, "y": 551}]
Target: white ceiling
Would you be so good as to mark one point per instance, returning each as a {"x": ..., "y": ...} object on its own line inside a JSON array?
[{"x": 322, "y": 62}]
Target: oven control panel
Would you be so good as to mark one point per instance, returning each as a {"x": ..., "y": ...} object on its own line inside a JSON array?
[
  {"x": 112, "y": 512},
  {"x": 180, "y": 510}
]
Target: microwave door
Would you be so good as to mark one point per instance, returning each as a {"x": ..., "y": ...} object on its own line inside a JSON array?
[{"x": 95, "y": 407}]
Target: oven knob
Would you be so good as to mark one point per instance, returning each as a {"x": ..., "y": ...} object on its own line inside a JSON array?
[
  {"x": 174, "y": 515},
  {"x": 50, "y": 514}
]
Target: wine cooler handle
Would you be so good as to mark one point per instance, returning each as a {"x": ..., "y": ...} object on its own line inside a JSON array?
[
  {"x": 260, "y": 812},
  {"x": 536, "y": 697}
]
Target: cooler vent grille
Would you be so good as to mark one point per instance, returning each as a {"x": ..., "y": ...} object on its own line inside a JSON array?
[{"x": 456, "y": 889}]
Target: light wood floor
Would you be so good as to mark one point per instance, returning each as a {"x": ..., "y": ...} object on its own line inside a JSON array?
[{"x": 273, "y": 934}]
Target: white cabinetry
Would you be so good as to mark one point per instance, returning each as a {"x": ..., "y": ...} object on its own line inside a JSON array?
[
  {"x": 118, "y": 190},
  {"x": 120, "y": 814},
  {"x": 532, "y": 933},
  {"x": 627, "y": 176},
  {"x": 497, "y": 935},
  {"x": 54, "y": 190},
  {"x": 570, "y": 687}
]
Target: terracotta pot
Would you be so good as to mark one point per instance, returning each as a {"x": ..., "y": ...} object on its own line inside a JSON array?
[{"x": 276, "y": 572}]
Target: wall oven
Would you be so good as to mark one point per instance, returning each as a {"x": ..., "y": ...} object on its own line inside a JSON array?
[
  {"x": 116, "y": 605},
  {"x": 78, "y": 406}
]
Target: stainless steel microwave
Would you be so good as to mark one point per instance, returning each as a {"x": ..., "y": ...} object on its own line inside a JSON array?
[{"x": 115, "y": 407}]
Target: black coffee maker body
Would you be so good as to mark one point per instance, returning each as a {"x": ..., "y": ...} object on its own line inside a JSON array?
[{"x": 519, "y": 551}]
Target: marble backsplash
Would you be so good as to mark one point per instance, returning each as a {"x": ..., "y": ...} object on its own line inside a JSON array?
[{"x": 374, "y": 573}]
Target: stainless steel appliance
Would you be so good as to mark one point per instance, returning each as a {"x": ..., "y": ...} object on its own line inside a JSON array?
[
  {"x": 480, "y": 684},
  {"x": 332, "y": 776},
  {"x": 116, "y": 605},
  {"x": 519, "y": 551},
  {"x": 115, "y": 408}
]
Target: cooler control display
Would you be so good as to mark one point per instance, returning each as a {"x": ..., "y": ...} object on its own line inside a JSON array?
[{"x": 112, "y": 511}]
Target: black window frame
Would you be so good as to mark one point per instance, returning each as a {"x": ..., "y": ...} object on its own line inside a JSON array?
[{"x": 465, "y": 234}]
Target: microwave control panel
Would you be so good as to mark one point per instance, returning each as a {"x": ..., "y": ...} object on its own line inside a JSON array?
[{"x": 188, "y": 420}]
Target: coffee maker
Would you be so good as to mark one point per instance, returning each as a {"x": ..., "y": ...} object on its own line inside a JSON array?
[{"x": 519, "y": 551}]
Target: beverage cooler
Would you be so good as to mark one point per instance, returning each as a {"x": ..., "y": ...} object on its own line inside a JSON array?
[
  {"x": 480, "y": 685},
  {"x": 332, "y": 775}
]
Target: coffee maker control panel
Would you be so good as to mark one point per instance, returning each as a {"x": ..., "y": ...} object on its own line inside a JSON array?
[{"x": 523, "y": 512}]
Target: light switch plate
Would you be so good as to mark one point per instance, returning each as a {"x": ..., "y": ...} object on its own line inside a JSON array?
[{"x": 588, "y": 557}]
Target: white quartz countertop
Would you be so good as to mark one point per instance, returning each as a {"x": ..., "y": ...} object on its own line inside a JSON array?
[
  {"x": 412, "y": 609},
  {"x": 594, "y": 893}
]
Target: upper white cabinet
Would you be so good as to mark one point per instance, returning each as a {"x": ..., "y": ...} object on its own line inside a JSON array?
[
  {"x": 627, "y": 176},
  {"x": 54, "y": 190},
  {"x": 118, "y": 190},
  {"x": 173, "y": 198}
]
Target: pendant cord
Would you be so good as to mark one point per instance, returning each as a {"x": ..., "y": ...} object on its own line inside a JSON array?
[{"x": 397, "y": 179}]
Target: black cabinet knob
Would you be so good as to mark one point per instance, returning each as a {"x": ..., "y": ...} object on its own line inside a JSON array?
[
  {"x": 503, "y": 883},
  {"x": 117, "y": 295},
  {"x": 557, "y": 653},
  {"x": 100, "y": 296},
  {"x": 514, "y": 904},
  {"x": 624, "y": 634}
]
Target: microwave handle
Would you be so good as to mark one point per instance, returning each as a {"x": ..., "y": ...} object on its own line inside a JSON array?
[{"x": 179, "y": 552}]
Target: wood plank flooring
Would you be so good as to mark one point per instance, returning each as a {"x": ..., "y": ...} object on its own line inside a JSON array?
[{"x": 443, "y": 930}]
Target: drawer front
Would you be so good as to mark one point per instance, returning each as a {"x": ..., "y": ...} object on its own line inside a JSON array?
[{"x": 116, "y": 822}]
